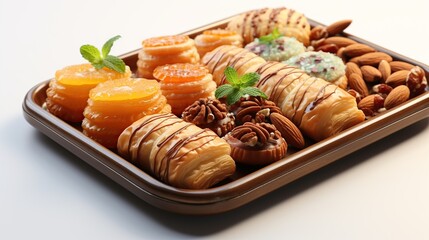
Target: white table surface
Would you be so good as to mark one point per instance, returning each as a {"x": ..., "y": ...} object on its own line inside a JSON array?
[{"x": 379, "y": 192}]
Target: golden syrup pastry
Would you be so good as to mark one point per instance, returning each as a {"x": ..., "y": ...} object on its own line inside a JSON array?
[
  {"x": 211, "y": 39},
  {"x": 184, "y": 83},
  {"x": 256, "y": 23},
  {"x": 241, "y": 59},
  {"x": 164, "y": 50},
  {"x": 176, "y": 152},
  {"x": 116, "y": 104},
  {"x": 319, "y": 109},
  {"x": 68, "y": 92}
]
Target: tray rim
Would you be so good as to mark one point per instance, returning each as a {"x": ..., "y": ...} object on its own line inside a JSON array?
[{"x": 257, "y": 183}]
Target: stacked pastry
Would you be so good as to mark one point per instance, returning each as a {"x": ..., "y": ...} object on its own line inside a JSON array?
[
  {"x": 116, "y": 104},
  {"x": 177, "y": 152},
  {"x": 211, "y": 39},
  {"x": 184, "y": 83},
  {"x": 261, "y": 22},
  {"x": 68, "y": 91},
  {"x": 163, "y": 50},
  {"x": 320, "y": 109}
]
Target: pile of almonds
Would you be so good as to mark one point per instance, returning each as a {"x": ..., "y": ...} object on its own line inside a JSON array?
[{"x": 375, "y": 79}]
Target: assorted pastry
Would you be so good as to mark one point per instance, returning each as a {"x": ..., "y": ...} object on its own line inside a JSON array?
[
  {"x": 196, "y": 109},
  {"x": 276, "y": 47}
]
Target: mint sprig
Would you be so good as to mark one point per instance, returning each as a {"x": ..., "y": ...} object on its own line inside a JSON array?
[
  {"x": 268, "y": 39},
  {"x": 238, "y": 86},
  {"x": 103, "y": 59}
]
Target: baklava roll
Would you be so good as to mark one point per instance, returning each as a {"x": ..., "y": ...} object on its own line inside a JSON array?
[{"x": 177, "y": 152}]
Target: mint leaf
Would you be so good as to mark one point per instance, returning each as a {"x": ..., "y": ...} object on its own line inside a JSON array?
[
  {"x": 231, "y": 75},
  {"x": 108, "y": 45},
  {"x": 223, "y": 91},
  {"x": 234, "y": 96},
  {"x": 98, "y": 60},
  {"x": 114, "y": 63},
  {"x": 239, "y": 86},
  {"x": 255, "y": 92},
  {"x": 267, "y": 39},
  {"x": 249, "y": 79},
  {"x": 90, "y": 53}
]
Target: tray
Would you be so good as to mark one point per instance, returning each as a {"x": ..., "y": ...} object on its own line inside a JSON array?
[{"x": 247, "y": 184}]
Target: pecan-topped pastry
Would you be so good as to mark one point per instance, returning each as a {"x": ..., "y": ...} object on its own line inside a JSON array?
[
  {"x": 210, "y": 113},
  {"x": 256, "y": 144},
  {"x": 253, "y": 109}
]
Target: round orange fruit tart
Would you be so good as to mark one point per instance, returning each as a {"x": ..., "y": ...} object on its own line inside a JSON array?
[
  {"x": 116, "y": 104},
  {"x": 184, "y": 83},
  {"x": 163, "y": 50},
  {"x": 211, "y": 39},
  {"x": 67, "y": 94}
]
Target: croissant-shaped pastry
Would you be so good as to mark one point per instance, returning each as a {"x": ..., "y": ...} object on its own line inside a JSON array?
[
  {"x": 320, "y": 109},
  {"x": 177, "y": 152},
  {"x": 261, "y": 22}
]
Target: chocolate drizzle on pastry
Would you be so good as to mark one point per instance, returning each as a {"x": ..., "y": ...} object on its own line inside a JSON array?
[{"x": 171, "y": 150}]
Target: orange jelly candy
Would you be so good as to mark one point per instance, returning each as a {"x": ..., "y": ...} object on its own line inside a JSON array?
[
  {"x": 67, "y": 94},
  {"x": 114, "y": 105},
  {"x": 184, "y": 83}
]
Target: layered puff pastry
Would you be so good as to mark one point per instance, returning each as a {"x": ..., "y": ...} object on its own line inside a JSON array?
[
  {"x": 320, "y": 109},
  {"x": 177, "y": 152},
  {"x": 211, "y": 39},
  {"x": 257, "y": 23},
  {"x": 164, "y": 50}
]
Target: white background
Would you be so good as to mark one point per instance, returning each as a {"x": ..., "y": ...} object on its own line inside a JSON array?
[{"x": 379, "y": 192}]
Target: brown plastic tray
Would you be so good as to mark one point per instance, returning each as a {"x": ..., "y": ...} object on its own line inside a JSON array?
[{"x": 247, "y": 184}]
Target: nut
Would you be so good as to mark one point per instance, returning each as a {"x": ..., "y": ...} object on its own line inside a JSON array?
[
  {"x": 400, "y": 65},
  {"x": 397, "y": 78},
  {"x": 370, "y": 73},
  {"x": 339, "y": 41},
  {"x": 357, "y": 83},
  {"x": 352, "y": 67},
  {"x": 318, "y": 32},
  {"x": 385, "y": 70},
  {"x": 355, "y": 94},
  {"x": 382, "y": 89},
  {"x": 331, "y": 48},
  {"x": 416, "y": 81},
  {"x": 398, "y": 95},
  {"x": 357, "y": 49},
  {"x": 288, "y": 130},
  {"x": 371, "y": 104},
  {"x": 373, "y": 58},
  {"x": 338, "y": 27}
]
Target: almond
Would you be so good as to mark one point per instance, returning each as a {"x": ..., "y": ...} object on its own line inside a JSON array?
[
  {"x": 397, "y": 78},
  {"x": 339, "y": 41},
  {"x": 400, "y": 65},
  {"x": 373, "y": 58},
  {"x": 385, "y": 70},
  {"x": 288, "y": 129},
  {"x": 398, "y": 95},
  {"x": 357, "y": 83},
  {"x": 357, "y": 49},
  {"x": 340, "y": 54},
  {"x": 352, "y": 67},
  {"x": 338, "y": 27},
  {"x": 318, "y": 32},
  {"x": 371, "y": 104},
  {"x": 370, "y": 73},
  {"x": 331, "y": 48}
]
